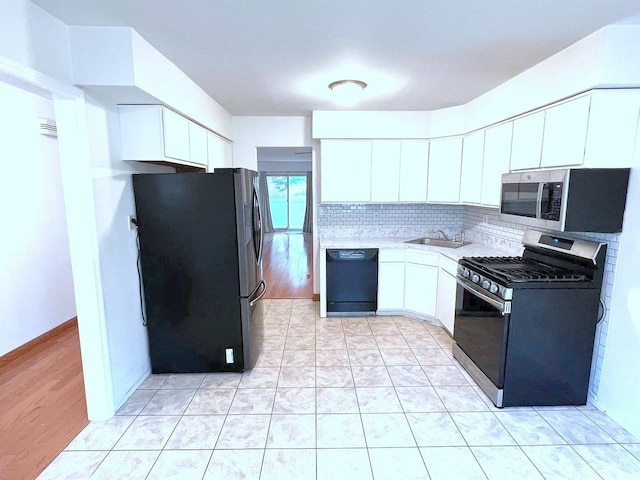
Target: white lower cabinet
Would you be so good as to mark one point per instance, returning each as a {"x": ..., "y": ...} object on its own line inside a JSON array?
[
  {"x": 391, "y": 280},
  {"x": 421, "y": 283},
  {"x": 447, "y": 292}
]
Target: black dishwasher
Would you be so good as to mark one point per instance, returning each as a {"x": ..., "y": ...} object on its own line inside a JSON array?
[{"x": 352, "y": 281}]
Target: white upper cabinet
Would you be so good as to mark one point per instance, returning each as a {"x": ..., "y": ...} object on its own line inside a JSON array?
[
  {"x": 176, "y": 135},
  {"x": 526, "y": 147},
  {"x": 153, "y": 133},
  {"x": 218, "y": 152},
  {"x": 345, "y": 171},
  {"x": 414, "y": 169},
  {"x": 565, "y": 133},
  {"x": 471, "y": 175},
  {"x": 613, "y": 125},
  {"x": 497, "y": 154},
  {"x": 445, "y": 159},
  {"x": 385, "y": 170},
  {"x": 198, "y": 144}
]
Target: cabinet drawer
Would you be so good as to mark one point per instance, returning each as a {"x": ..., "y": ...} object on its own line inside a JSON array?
[
  {"x": 448, "y": 265},
  {"x": 422, "y": 258},
  {"x": 392, "y": 255}
]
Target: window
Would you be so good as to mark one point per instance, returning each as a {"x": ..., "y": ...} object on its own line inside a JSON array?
[{"x": 287, "y": 200}]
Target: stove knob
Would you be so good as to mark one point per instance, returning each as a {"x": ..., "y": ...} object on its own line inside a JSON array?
[
  {"x": 465, "y": 272},
  {"x": 493, "y": 288},
  {"x": 486, "y": 284},
  {"x": 475, "y": 278}
]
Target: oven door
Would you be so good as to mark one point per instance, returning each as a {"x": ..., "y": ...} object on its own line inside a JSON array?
[{"x": 481, "y": 329}]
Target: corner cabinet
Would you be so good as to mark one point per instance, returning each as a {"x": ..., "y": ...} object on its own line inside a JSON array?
[
  {"x": 421, "y": 283},
  {"x": 154, "y": 133}
]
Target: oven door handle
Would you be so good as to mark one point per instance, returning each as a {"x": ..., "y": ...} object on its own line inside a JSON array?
[{"x": 503, "y": 306}]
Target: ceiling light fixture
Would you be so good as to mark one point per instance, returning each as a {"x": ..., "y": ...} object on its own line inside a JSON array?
[{"x": 347, "y": 92}]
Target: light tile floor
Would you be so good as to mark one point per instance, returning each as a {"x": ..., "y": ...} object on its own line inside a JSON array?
[{"x": 343, "y": 398}]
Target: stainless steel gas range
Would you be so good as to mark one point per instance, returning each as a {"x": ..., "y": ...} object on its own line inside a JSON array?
[{"x": 525, "y": 326}]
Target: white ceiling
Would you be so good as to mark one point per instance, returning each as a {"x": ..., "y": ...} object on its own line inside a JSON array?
[{"x": 276, "y": 57}]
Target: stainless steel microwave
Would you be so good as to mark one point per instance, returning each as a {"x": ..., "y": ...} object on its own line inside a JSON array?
[{"x": 572, "y": 200}]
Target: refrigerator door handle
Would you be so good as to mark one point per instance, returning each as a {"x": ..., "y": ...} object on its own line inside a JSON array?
[
  {"x": 259, "y": 212},
  {"x": 262, "y": 285}
]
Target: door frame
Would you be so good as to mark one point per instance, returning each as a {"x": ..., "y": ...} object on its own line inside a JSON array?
[{"x": 77, "y": 185}]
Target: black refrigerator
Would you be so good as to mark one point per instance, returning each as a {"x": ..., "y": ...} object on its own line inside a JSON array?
[{"x": 200, "y": 240}]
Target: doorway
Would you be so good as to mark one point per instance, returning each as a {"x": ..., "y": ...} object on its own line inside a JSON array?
[{"x": 287, "y": 200}]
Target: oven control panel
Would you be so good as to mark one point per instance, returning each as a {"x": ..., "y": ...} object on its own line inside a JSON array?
[{"x": 485, "y": 283}]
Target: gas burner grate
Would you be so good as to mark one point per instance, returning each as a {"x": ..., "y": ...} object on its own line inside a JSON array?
[{"x": 518, "y": 269}]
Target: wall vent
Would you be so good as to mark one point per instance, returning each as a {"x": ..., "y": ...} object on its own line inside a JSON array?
[{"x": 47, "y": 127}]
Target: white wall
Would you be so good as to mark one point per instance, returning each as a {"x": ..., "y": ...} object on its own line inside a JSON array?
[
  {"x": 607, "y": 57},
  {"x": 287, "y": 167},
  {"x": 619, "y": 391},
  {"x": 32, "y": 37},
  {"x": 113, "y": 191},
  {"x": 252, "y": 132},
  {"x": 35, "y": 266}
]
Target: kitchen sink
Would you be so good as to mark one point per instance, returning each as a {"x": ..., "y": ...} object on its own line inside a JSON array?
[{"x": 437, "y": 242}]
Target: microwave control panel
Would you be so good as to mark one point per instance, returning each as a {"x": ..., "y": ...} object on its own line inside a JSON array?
[{"x": 551, "y": 201}]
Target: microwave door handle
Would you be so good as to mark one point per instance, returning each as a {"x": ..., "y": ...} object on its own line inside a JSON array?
[{"x": 539, "y": 200}]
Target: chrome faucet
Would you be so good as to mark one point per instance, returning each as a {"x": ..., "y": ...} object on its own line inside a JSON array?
[
  {"x": 459, "y": 237},
  {"x": 441, "y": 235}
]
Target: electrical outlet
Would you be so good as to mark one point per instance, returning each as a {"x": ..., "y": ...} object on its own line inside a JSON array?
[{"x": 130, "y": 222}]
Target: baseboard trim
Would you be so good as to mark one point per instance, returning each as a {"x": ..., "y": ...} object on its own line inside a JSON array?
[{"x": 45, "y": 337}]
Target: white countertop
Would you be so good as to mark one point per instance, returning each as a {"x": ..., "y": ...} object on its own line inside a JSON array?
[{"x": 471, "y": 250}]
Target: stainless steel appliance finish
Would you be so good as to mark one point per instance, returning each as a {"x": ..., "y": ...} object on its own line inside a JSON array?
[
  {"x": 201, "y": 264},
  {"x": 578, "y": 200},
  {"x": 525, "y": 326}
]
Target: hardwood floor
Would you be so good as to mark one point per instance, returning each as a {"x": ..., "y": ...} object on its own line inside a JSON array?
[
  {"x": 42, "y": 403},
  {"x": 287, "y": 265}
]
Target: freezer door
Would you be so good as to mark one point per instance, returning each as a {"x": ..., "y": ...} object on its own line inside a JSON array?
[{"x": 252, "y": 313}]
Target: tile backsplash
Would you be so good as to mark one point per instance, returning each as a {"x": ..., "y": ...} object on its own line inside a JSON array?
[
  {"x": 480, "y": 224},
  {"x": 388, "y": 220}
]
